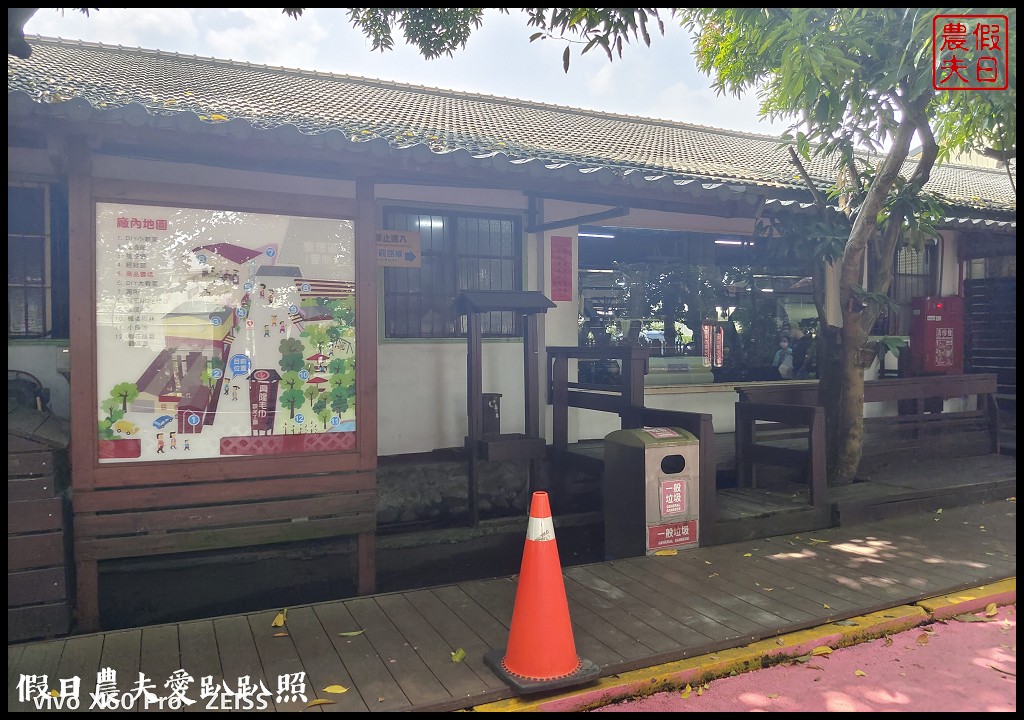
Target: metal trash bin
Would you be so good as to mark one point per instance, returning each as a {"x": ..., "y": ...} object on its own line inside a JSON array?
[{"x": 651, "y": 491}]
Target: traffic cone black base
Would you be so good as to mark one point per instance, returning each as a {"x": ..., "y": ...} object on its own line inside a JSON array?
[{"x": 585, "y": 672}]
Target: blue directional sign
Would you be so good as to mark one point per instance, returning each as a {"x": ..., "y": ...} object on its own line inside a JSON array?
[
  {"x": 299, "y": 418},
  {"x": 304, "y": 374},
  {"x": 271, "y": 252},
  {"x": 193, "y": 419},
  {"x": 240, "y": 364},
  {"x": 216, "y": 373},
  {"x": 335, "y": 420}
]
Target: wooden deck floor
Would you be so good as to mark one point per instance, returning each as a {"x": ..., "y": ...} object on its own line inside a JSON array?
[{"x": 626, "y": 614}]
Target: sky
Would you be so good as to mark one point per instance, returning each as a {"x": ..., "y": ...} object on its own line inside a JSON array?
[{"x": 660, "y": 81}]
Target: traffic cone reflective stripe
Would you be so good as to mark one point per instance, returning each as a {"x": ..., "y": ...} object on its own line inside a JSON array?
[{"x": 541, "y": 651}]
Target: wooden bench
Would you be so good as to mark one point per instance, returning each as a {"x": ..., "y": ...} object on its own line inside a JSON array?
[
  {"x": 143, "y": 521},
  {"x": 915, "y": 421}
]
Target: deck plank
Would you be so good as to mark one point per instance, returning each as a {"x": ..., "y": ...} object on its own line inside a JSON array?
[
  {"x": 38, "y": 659},
  {"x": 716, "y": 627},
  {"x": 433, "y": 647},
  {"x": 200, "y": 658},
  {"x": 626, "y": 614},
  {"x": 592, "y": 578},
  {"x": 159, "y": 656},
  {"x": 240, "y": 660},
  {"x": 379, "y": 690},
  {"x": 322, "y": 665},
  {"x": 736, "y": 580},
  {"x": 457, "y": 632},
  {"x": 633, "y": 627},
  {"x": 122, "y": 653},
  {"x": 799, "y": 588},
  {"x": 279, "y": 659},
  {"x": 416, "y": 680},
  {"x": 721, "y": 608}
]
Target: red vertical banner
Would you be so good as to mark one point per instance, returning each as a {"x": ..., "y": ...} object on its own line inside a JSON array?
[
  {"x": 561, "y": 269},
  {"x": 713, "y": 344}
]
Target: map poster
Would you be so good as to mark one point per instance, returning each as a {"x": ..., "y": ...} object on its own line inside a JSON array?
[{"x": 223, "y": 333}]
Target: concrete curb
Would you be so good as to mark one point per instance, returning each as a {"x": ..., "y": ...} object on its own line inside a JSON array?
[{"x": 693, "y": 671}]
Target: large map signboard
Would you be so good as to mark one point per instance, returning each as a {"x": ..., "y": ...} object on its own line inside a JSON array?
[{"x": 222, "y": 333}]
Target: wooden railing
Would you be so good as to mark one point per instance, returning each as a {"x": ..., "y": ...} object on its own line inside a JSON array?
[
  {"x": 920, "y": 425},
  {"x": 625, "y": 398}
]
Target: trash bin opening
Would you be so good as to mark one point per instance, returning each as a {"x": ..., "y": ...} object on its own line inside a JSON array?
[{"x": 673, "y": 464}]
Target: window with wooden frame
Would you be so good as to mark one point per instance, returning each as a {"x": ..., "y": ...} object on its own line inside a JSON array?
[
  {"x": 37, "y": 291},
  {"x": 914, "y": 274},
  {"x": 460, "y": 251}
]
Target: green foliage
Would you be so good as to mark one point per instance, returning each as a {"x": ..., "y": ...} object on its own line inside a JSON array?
[
  {"x": 125, "y": 392},
  {"x": 435, "y": 31},
  {"x": 292, "y": 399}
]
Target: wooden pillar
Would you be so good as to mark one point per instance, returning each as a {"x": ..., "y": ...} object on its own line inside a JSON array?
[
  {"x": 474, "y": 400},
  {"x": 531, "y": 383}
]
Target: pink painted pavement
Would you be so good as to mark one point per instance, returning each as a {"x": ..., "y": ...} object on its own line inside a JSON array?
[{"x": 945, "y": 666}]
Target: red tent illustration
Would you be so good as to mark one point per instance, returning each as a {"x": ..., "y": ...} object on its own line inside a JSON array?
[
  {"x": 319, "y": 360},
  {"x": 318, "y": 382}
]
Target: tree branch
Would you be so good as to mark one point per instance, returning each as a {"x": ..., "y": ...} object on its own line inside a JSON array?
[{"x": 818, "y": 199}]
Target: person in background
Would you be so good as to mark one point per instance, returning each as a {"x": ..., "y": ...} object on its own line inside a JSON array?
[
  {"x": 783, "y": 360},
  {"x": 803, "y": 353}
]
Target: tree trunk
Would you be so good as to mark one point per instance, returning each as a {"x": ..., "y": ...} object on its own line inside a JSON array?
[{"x": 841, "y": 393}]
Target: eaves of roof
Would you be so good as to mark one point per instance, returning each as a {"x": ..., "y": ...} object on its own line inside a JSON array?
[{"x": 91, "y": 83}]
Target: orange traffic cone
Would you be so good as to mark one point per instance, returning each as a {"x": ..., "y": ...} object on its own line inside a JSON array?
[{"x": 541, "y": 653}]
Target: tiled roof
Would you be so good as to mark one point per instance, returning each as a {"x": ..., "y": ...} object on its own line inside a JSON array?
[{"x": 136, "y": 86}]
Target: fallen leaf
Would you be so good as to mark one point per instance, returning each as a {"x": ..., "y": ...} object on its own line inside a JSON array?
[
  {"x": 860, "y": 673},
  {"x": 827, "y": 607},
  {"x": 459, "y": 655},
  {"x": 772, "y": 696},
  {"x": 380, "y": 698},
  {"x": 816, "y": 540},
  {"x": 351, "y": 634},
  {"x": 968, "y": 617},
  {"x": 991, "y": 610},
  {"x": 667, "y": 552},
  {"x": 939, "y": 511},
  {"x": 686, "y": 692},
  {"x": 922, "y": 639},
  {"x": 54, "y": 693},
  {"x": 218, "y": 116},
  {"x": 845, "y": 623},
  {"x": 700, "y": 690},
  {"x": 780, "y": 641},
  {"x": 713, "y": 575},
  {"x": 748, "y": 555},
  {"x": 280, "y": 635},
  {"x": 336, "y": 689},
  {"x": 314, "y": 703},
  {"x": 997, "y": 669},
  {"x": 822, "y": 650},
  {"x": 888, "y": 641},
  {"x": 280, "y": 619},
  {"x": 816, "y": 667},
  {"x": 768, "y": 589},
  {"x": 802, "y": 658}
]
